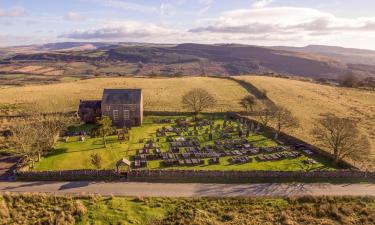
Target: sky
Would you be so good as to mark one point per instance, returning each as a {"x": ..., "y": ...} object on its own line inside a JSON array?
[{"x": 347, "y": 23}]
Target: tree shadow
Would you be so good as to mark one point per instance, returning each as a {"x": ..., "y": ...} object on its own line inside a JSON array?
[{"x": 74, "y": 184}]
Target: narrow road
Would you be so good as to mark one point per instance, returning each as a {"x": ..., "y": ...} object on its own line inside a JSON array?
[{"x": 188, "y": 189}]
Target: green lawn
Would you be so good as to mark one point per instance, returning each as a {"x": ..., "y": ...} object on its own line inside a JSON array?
[
  {"x": 115, "y": 210},
  {"x": 76, "y": 155}
]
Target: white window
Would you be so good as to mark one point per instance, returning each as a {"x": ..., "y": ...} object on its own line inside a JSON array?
[
  {"x": 126, "y": 114},
  {"x": 115, "y": 115}
]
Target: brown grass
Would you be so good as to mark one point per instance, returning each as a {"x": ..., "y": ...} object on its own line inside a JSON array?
[
  {"x": 308, "y": 101},
  {"x": 159, "y": 94}
]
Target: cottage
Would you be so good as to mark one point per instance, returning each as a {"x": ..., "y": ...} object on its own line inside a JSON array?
[{"x": 123, "y": 106}]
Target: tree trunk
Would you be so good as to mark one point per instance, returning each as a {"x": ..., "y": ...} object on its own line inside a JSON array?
[
  {"x": 104, "y": 142},
  {"x": 336, "y": 161},
  {"x": 39, "y": 157}
]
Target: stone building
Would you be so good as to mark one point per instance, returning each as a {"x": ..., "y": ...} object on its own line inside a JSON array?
[{"x": 123, "y": 106}]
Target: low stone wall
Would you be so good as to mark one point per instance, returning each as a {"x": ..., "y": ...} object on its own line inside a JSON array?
[
  {"x": 249, "y": 176},
  {"x": 200, "y": 176},
  {"x": 67, "y": 175}
]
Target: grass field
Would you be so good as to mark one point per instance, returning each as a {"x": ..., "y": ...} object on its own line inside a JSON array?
[
  {"x": 76, "y": 155},
  {"x": 308, "y": 101},
  {"x": 48, "y": 209},
  {"x": 160, "y": 94}
]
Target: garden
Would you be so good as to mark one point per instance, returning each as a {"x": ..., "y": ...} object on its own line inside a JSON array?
[{"x": 207, "y": 142}]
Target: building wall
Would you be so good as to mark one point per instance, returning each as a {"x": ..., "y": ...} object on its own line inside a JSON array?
[{"x": 124, "y": 114}]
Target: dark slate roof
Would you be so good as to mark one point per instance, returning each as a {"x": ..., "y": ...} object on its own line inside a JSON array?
[
  {"x": 122, "y": 96},
  {"x": 93, "y": 104}
]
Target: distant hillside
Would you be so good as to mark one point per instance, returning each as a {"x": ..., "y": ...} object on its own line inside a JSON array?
[
  {"x": 172, "y": 60},
  {"x": 346, "y": 55}
]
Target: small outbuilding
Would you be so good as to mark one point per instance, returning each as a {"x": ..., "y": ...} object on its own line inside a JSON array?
[{"x": 89, "y": 110}]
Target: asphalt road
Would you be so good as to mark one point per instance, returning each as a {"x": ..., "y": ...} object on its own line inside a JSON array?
[{"x": 188, "y": 189}]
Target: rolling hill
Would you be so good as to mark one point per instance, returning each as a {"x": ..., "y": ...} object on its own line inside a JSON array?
[
  {"x": 307, "y": 101},
  {"x": 172, "y": 60}
]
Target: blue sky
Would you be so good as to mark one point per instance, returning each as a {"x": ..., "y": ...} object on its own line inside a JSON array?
[{"x": 349, "y": 23}]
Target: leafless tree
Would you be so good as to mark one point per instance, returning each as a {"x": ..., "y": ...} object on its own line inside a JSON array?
[
  {"x": 248, "y": 102},
  {"x": 265, "y": 116},
  {"x": 22, "y": 141},
  {"x": 283, "y": 118},
  {"x": 33, "y": 136},
  {"x": 48, "y": 129},
  {"x": 341, "y": 136},
  {"x": 198, "y": 100}
]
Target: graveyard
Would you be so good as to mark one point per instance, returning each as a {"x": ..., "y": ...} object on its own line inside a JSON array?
[{"x": 208, "y": 142}]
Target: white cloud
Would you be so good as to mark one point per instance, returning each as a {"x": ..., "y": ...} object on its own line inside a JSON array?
[
  {"x": 129, "y": 30},
  {"x": 282, "y": 20},
  {"x": 261, "y": 3},
  {"x": 127, "y": 5},
  {"x": 265, "y": 26},
  {"x": 14, "y": 12},
  {"x": 73, "y": 16}
]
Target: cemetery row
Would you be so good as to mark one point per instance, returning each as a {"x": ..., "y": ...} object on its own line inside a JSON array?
[{"x": 229, "y": 139}]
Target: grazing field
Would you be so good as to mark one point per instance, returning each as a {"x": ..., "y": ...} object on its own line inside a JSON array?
[
  {"x": 308, "y": 101},
  {"x": 74, "y": 154},
  {"x": 160, "y": 94},
  {"x": 48, "y": 209}
]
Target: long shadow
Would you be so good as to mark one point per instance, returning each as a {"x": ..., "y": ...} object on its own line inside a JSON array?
[
  {"x": 266, "y": 189},
  {"x": 253, "y": 90},
  {"x": 76, "y": 184},
  {"x": 29, "y": 184},
  {"x": 60, "y": 151}
]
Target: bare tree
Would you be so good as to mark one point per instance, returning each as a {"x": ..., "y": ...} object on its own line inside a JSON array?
[
  {"x": 248, "y": 102},
  {"x": 265, "y": 116},
  {"x": 283, "y": 118},
  {"x": 198, "y": 100},
  {"x": 33, "y": 136},
  {"x": 22, "y": 141},
  {"x": 341, "y": 136},
  {"x": 48, "y": 129}
]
